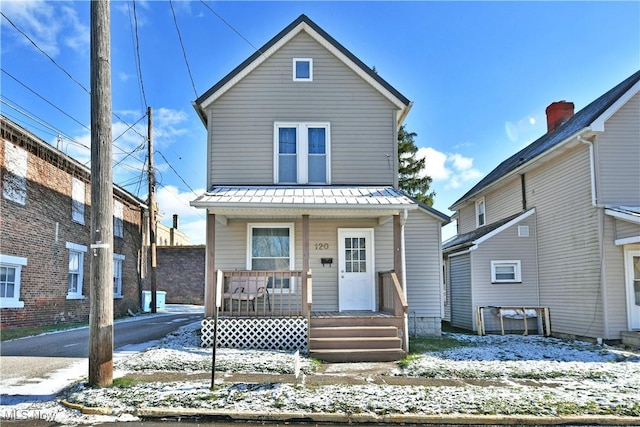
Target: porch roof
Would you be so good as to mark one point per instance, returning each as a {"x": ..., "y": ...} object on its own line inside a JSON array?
[{"x": 326, "y": 199}]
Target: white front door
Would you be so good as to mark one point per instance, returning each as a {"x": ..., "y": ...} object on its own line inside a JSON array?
[
  {"x": 632, "y": 267},
  {"x": 356, "y": 280}
]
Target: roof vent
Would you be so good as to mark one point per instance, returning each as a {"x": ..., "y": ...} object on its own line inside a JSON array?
[{"x": 558, "y": 113}]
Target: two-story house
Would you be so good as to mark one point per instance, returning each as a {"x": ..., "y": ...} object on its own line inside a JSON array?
[
  {"x": 310, "y": 243},
  {"x": 557, "y": 225},
  {"x": 45, "y": 253}
]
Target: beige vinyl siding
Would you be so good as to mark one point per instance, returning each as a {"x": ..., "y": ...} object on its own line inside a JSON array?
[
  {"x": 504, "y": 201},
  {"x": 467, "y": 218},
  {"x": 568, "y": 244},
  {"x": 614, "y": 277},
  {"x": 241, "y": 122},
  {"x": 625, "y": 229},
  {"x": 506, "y": 245},
  {"x": 423, "y": 259},
  {"x": 618, "y": 157},
  {"x": 461, "y": 303}
]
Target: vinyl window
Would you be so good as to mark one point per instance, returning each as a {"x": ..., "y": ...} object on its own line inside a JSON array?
[
  {"x": 480, "y": 213},
  {"x": 302, "y": 153},
  {"x": 506, "y": 272},
  {"x": 117, "y": 275},
  {"x": 270, "y": 248},
  {"x": 302, "y": 69}
]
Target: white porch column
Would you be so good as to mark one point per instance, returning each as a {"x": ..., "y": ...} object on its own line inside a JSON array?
[{"x": 209, "y": 272}]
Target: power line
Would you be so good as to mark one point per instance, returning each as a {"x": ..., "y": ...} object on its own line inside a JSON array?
[
  {"x": 184, "y": 53},
  {"x": 43, "y": 52},
  {"x": 176, "y": 172},
  {"x": 135, "y": 18},
  {"x": 230, "y": 26},
  {"x": 133, "y": 45},
  {"x": 44, "y": 99}
]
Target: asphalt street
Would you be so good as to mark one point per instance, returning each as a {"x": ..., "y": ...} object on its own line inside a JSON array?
[{"x": 31, "y": 358}]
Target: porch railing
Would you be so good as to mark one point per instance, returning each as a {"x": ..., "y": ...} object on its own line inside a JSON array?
[
  {"x": 246, "y": 293},
  {"x": 392, "y": 300}
]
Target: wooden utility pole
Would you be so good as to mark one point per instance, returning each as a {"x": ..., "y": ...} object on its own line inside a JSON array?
[
  {"x": 152, "y": 211},
  {"x": 101, "y": 283}
]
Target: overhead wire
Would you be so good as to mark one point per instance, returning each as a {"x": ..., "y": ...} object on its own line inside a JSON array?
[
  {"x": 231, "y": 26},
  {"x": 184, "y": 53},
  {"x": 140, "y": 79},
  {"x": 176, "y": 172}
]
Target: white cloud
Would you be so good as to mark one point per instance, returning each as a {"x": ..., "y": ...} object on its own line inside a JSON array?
[
  {"x": 49, "y": 25},
  {"x": 453, "y": 168}
]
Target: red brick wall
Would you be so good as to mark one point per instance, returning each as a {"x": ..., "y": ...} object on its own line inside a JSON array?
[
  {"x": 180, "y": 273},
  {"x": 39, "y": 231}
]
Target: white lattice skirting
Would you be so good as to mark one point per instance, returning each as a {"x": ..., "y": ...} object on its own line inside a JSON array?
[{"x": 257, "y": 333}]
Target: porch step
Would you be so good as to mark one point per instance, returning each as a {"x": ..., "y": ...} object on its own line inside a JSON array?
[
  {"x": 360, "y": 355},
  {"x": 350, "y": 343},
  {"x": 354, "y": 331},
  {"x": 355, "y": 339}
]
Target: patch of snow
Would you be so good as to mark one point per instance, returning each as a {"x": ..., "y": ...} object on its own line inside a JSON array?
[{"x": 511, "y": 374}]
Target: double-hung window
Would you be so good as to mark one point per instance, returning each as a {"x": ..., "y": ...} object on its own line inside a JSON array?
[
  {"x": 76, "y": 268},
  {"x": 117, "y": 275},
  {"x": 506, "y": 272},
  {"x": 480, "y": 213},
  {"x": 14, "y": 179},
  {"x": 271, "y": 248},
  {"x": 302, "y": 153},
  {"x": 10, "y": 279}
]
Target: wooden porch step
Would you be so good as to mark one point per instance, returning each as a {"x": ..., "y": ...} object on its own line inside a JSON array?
[
  {"x": 353, "y": 331},
  {"x": 359, "y": 355},
  {"x": 331, "y": 321},
  {"x": 360, "y": 343}
]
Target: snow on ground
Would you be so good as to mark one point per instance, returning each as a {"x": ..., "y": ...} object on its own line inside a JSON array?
[{"x": 510, "y": 375}]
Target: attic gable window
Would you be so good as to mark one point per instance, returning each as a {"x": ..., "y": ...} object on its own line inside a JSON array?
[{"x": 302, "y": 69}]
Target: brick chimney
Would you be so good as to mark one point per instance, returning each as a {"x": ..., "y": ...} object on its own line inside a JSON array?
[{"x": 558, "y": 113}]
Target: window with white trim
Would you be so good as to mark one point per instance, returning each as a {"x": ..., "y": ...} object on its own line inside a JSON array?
[
  {"x": 302, "y": 153},
  {"x": 10, "y": 280},
  {"x": 480, "y": 213},
  {"x": 270, "y": 248},
  {"x": 506, "y": 271},
  {"x": 77, "y": 200},
  {"x": 117, "y": 275},
  {"x": 76, "y": 268},
  {"x": 14, "y": 179},
  {"x": 302, "y": 69},
  {"x": 118, "y": 219}
]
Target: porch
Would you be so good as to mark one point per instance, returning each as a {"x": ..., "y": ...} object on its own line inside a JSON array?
[{"x": 273, "y": 310}]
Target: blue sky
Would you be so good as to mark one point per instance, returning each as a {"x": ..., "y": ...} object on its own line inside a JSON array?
[{"x": 480, "y": 75}]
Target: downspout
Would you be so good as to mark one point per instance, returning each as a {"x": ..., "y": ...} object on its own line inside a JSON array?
[
  {"x": 403, "y": 221},
  {"x": 592, "y": 170}
]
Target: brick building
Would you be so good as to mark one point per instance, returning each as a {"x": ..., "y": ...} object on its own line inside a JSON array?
[{"x": 45, "y": 253}]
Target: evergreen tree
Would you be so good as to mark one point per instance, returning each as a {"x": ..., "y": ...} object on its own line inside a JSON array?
[{"x": 413, "y": 178}]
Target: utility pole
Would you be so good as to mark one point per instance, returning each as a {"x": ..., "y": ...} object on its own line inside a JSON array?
[
  {"x": 152, "y": 210},
  {"x": 101, "y": 283}
]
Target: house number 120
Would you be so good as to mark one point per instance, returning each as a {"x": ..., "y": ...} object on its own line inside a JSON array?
[{"x": 322, "y": 246}]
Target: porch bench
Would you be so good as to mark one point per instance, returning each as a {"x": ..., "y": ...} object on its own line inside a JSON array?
[{"x": 247, "y": 288}]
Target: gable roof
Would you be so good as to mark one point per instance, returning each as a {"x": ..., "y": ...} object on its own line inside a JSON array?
[
  {"x": 591, "y": 117},
  {"x": 479, "y": 235},
  {"x": 303, "y": 23}
]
